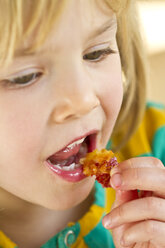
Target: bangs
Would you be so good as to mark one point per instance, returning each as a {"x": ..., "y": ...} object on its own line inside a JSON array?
[
  {"x": 21, "y": 19},
  {"x": 118, "y": 6},
  {"x": 17, "y": 25}
]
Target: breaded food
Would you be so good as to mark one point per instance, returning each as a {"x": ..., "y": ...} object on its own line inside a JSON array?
[{"x": 99, "y": 163}]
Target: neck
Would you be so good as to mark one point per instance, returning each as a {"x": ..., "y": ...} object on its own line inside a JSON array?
[{"x": 32, "y": 226}]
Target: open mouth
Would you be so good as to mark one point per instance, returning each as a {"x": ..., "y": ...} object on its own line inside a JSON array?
[{"x": 68, "y": 158}]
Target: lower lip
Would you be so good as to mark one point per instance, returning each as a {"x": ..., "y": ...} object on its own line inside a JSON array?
[{"x": 70, "y": 176}]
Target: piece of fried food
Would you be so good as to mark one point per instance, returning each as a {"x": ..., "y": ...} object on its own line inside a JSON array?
[{"x": 99, "y": 163}]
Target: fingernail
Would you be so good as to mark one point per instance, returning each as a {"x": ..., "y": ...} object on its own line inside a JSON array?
[
  {"x": 107, "y": 223},
  {"x": 114, "y": 170},
  {"x": 116, "y": 180}
]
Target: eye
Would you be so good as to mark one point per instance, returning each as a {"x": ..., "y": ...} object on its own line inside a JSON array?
[
  {"x": 23, "y": 80},
  {"x": 98, "y": 55}
]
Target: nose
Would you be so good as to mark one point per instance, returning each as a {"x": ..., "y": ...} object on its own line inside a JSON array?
[
  {"x": 74, "y": 100},
  {"x": 68, "y": 109}
]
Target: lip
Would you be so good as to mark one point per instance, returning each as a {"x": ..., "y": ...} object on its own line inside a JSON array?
[
  {"x": 75, "y": 175},
  {"x": 76, "y": 139},
  {"x": 70, "y": 176},
  {"x": 81, "y": 137}
]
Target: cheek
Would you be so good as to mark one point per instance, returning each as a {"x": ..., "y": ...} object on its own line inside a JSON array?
[
  {"x": 110, "y": 92},
  {"x": 111, "y": 87},
  {"x": 21, "y": 132},
  {"x": 112, "y": 98}
]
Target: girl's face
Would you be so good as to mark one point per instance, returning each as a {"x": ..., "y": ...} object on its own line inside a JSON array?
[{"x": 69, "y": 89}]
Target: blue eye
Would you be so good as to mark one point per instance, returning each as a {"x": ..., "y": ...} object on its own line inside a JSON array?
[
  {"x": 24, "y": 80},
  {"x": 98, "y": 55}
]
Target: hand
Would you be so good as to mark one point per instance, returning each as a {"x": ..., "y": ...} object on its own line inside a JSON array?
[{"x": 137, "y": 218}]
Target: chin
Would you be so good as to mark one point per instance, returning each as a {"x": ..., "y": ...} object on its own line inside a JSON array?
[{"x": 72, "y": 197}]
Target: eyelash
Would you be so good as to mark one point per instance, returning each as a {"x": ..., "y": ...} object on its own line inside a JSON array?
[
  {"x": 29, "y": 78},
  {"x": 102, "y": 54}
]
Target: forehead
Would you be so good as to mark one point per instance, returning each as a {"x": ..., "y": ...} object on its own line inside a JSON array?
[{"x": 80, "y": 19}]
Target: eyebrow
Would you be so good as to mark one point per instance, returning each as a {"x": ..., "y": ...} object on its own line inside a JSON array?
[
  {"x": 99, "y": 31},
  {"x": 105, "y": 27}
]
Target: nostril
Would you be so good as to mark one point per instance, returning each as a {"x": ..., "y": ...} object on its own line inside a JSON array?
[
  {"x": 72, "y": 110},
  {"x": 62, "y": 112},
  {"x": 97, "y": 103},
  {"x": 69, "y": 117},
  {"x": 65, "y": 117}
]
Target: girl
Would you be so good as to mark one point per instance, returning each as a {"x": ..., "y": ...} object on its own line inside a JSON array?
[{"x": 62, "y": 95}]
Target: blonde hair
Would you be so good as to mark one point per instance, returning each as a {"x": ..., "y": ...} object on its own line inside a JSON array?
[
  {"x": 14, "y": 28},
  {"x": 135, "y": 71}
]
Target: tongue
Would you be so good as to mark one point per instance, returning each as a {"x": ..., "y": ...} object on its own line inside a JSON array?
[
  {"x": 65, "y": 162},
  {"x": 57, "y": 159},
  {"x": 66, "y": 153}
]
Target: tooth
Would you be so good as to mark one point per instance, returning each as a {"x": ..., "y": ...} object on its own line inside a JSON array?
[
  {"x": 66, "y": 168},
  {"x": 76, "y": 143},
  {"x": 58, "y": 166},
  {"x": 70, "y": 167}
]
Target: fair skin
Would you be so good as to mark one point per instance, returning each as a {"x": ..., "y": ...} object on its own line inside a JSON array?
[
  {"x": 72, "y": 96},
  {"x": 138, "y": 220}
]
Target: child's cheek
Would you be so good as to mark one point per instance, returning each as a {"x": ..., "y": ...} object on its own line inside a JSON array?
[
  {"x": 20, "y": 132},
  {"x": 111, "y": 103},
  {"x": 111, "y": 96},
  {"x": 110, "y": 86}
]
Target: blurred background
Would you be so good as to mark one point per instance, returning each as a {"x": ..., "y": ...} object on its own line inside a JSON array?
[{"x": 152, "y": 16}]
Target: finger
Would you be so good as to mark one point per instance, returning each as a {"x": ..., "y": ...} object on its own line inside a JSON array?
[
  {"x": 137, "y": 210},
  {"x": 150, "y": 179},
  {"x": 139, "y": 162},
  {"x": 121, "y": 198},
  {"x": 118, "y": 233},
  {"x": 150, "y": 230}
]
